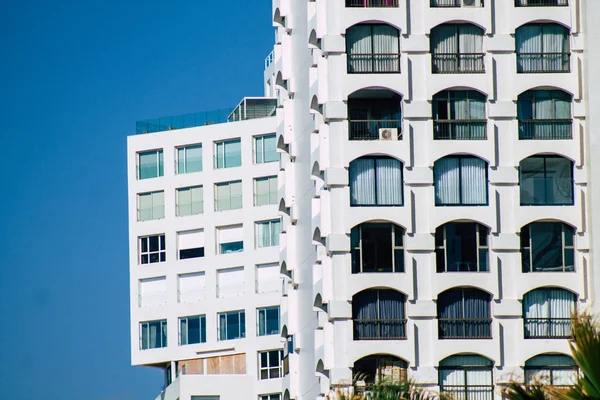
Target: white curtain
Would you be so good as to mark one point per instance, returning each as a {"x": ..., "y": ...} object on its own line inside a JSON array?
[
  {"x": 360, "y": 48},
  {"x": 443, "y": 40},
  {"x": 267, "y": 233},
  {"x": 474, "y": 183},
  {"x": 447, "y": 181},
  {"x": 362, "y": 182},
  {"x": 542, "y": 305},
  {"x": 470, "y": 44},
  {"x": 389, "y": 181},
  {"x": 529, "y": 44},
  {"x": 555, "y": 39},
  {"x": 386, "y": 43},
  {"x": 552, "y": 369}
]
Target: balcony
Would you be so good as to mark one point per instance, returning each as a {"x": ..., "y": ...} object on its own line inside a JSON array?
[
  {"x": 469, "y": 392},
  {"x": 459, "y": 130},
  {"x": 379, "y": 329},
  {"x": 457, "y": 63},
  {"x": 539, "y": 63},
  {"x": 550, "y": 129},
  {"x": 372, "y": 3},
  {"x": 547, "y": 328},
  {"x": 369, "y": 129},
  {"x": 381, "y": 63},
  {"x": 455, "y": 3},
  {"x": 541, "y": 3},
  {"x": 465, "y": 328}
]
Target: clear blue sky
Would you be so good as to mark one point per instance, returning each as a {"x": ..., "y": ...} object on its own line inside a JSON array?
[{"x": 74, "y": 78}]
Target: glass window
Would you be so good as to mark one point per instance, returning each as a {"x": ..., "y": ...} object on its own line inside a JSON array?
[
  {"x": 379, "y": 315},
  {"x": 542, "y": 48},
  {"x": 370, "y": 111},
  {"x": 272, "y": 396},
  {"x": 373, "y": 48},
  {"x": 265, "y": 149},
  {"x": 461, "y": 247},
  {"x": 190, "y": 201},
  {"x": 376, "y": 181},
  {"x": 547, "y": 247},
  {"x": 547, "y": 313},
  {"x": 457, "y": 48},
  {"x": 191, "y": 244},
  {"x": 466, "y": 377},
  {"x": 152, "y": 249},
  {"x": 464, "y": 314},
  {"x": 228, "y": 154},
  {"x": 377, "y": 247},
  {"x": 551, "y": 369},
  {"x": 231, "y": 239},
  {"x": 459, "y": 115},
  {"x": 232, "y": 325},
  {"x": 228, "y": 196},
  {"x": 153, "y": 334},
  {"x": 192, "y": 329},
  {"x": 267, "y": 321},
  {"x": 460, "y": 181},
  {"x": 546, "y": 180},
  {"x": 267, "y": 233},
  {"x": 151, "y": 206},
  {"x": 544, "y": 115},
  {"x": 150, "y": 164},
  {"x": 265, "y": 190},
  {"x": 189, "y": 159},
  {"x": 270, "y": 365}
]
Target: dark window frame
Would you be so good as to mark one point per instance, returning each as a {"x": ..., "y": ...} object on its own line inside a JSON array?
[
  {"x": 482, "y": 234},
  {"x": 376, "y": 186},
  {"x": 396, "y": 231},
  {"x": 460, "y": 185},
  {"x": 526, "y": 247},
  {"x": 373, "y": 54},
  {"x": 546, "y": 189}
]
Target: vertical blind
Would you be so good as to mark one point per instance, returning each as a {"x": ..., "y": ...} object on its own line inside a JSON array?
[
  {"x": 460, "y": 181},
  {"x": 375, "y": 181},
  {"x": 552, "y": 369},
  {"x": 456, "y": 38}
]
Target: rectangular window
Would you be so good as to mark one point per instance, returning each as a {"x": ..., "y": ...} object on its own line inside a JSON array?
[
  {"x": 152, "y": 291},
  {"x": 192, "y": 330},
  {"x": 265, "y": 190},
  {"x": 189, "y": 159},
  {"x": 270, "y": 365},
  {"x": 151, "y": 206},
  {"x": 228, "y": 196},
  {"x": 267, "y": 278},
  {"x": 377, "y": 247},
  {"x": 230, "y": 282},
  {"x": 153, "y": 334},
  {"x": 267, "y": 320},
  {"x": 150, "y": 164},
  {"x": 272, "y": 396},
  {"x": 230, "y": 239},
  {"x": 265, "y": 149},
  {"x": 190, "y": 201},
  {"x": 191, "y": 287},
  {"x": 376, "y": 181},
  {"x": 191, "y": 244},
  {"x": 460, "y": 181},
  {"x": 228, "y": 154},
  {"x": 152, "y": 249},
  {"x": 232, "y": 325},
  {"x": 461, "y": 247},
  {"x": 267, "y": 233}
]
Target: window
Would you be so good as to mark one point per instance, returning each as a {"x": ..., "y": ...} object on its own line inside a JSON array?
[
  {"x": 191, "y": 287},
  {"x": 265, "y": 149},
  {"x": 152, "y": 291},
  {"x": 151, "y": 206},
  {"x": 551, "y": 369},
  {"x": 273, "y": 396},
  {"x": 542, "y": 48},
  {"x": 547, "y": 313},
  {"x": 228, "y": 154},
  {"x": 541, "y": 3},
  {"x": 150, "y": 164},
  {"x": 375, "y": 369},
  {"x": 457, "y": 48},
  {"x": 376, "y": 181},
  {"x": 377, "y": 247},
  {"x": 153, "y": 334},
  {"x": 546, "y": 180},
  {"x": 460, "y": 181},
  {"x": 190, "y": 201},
  {"x": 191, "y": 244},
  {"x": 456, "y": 3},
  {"x": 265, "y": 190},
  {"x": 267, "y": 321},
  {"x": 379, "y": 315},
  {"x": 228, "y": 196},
  {"x": 270, "y": 366},
  {"x": 230, "y": 239},
  {"x": 461, "y": 247},
  {"x": 189, "y": 159},
  {"x": 267, "y": 278},
  {"x": 544, "y": 115},
  {"x": 547, "y": 247},
  {"x": 459, "y": 115},
  {"x": 467, "y": 377},
  {"x": 372, "y": 110},
  {"x": 232, "y": 325},
  {"x": 231, "y": 282},
  {"x": 192, "y": 330},
  {"x": 152, "y": 249},
  {"x": 373, "y": 48},
  {"x": 267, "y": 233},
  {"x": 371, "y": 3},
  {"x": 464, "y": 314}
]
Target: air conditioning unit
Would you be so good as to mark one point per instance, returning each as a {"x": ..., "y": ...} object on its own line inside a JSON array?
[
  {"x": 471, "y": 3},
  {"x": 388, "y": 133}
]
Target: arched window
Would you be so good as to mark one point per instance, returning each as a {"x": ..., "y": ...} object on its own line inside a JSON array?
[
  {"x": 373, "y": 48},
  {"x": 542, "y": 48},
  {"x": 378, "y": 314},
  {"x": 467, "y": 377},
  {"x": 551, "y": 369},
  {"x": 546, "y": 180},
  {"x": 544, "y": 115},
  {"x": 547, "y": 313},
  {"x": 460, "y": 181},
  {"x": 547, "y": 247},
  {"x": 377, "y": 247},
  {"x": 377, "y": 368},
  {"x": 464, "y": 313},
  {"x": 459, "y": 115},
  {"x": 376, "y": 181},
  {"x": 375, "y": 114},
  {"x": 457, "y": 48},
  {"x": 461, "y": 247}
]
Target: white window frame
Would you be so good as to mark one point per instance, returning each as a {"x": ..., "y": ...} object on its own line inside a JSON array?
[
  {"x": 202, "y": 322},
  {"x": 268, "y": 368},
  {"x": 159, "y": 171},
  {"x": 264, "y": 310},
  {"x": 260, "y": 141},
  {"x": 219, "y": 147},
  {"x": 162, "y": 325},
  {"x": 162, "y": 249},
  {"x": 270, "y": 222},
  {"x": 242, "y": 333},
  {"x": 185, "y": 160},
  {"x": 229, "y": 183}
]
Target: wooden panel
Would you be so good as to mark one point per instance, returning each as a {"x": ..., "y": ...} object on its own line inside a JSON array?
[
  {"x": 227, "y": 365},
  {"x": 214, "y": 365},
  {"x": 192, "y": 367},
  {"x": 239, "y": 364}
]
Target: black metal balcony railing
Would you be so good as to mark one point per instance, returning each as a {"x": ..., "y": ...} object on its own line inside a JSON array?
[
  {"x": 539, "y": 63},
  {"x": 469, "y": 392},
  {"x": 465, "y": 328},
  {"x": 547, "y": 328},
  {"x": 545, "y": 129},
  {"x": 457, "y": 63},
  {"x": 451, "y": 3},
  {"x": 541, "y": 3},
  {"x": 371, "y": 3},
  {"x": 459, "y": 130},
  {"x": 379, "y": 329},
  {"x": 373, "y": 63},
  {"x": 369, "y": 129}
]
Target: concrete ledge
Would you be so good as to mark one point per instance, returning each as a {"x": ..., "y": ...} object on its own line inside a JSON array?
[
  {"x": 504, "y": 176},
  {"x": 508, "y": 308},
  {"x": 337, "y": 242},
  {"x": 506, "y": 242},
  {"x": 417, "y": 109},
  {"x": 336, "y": 177},
  {"x": 420, "y": 242},
  {"x": 422, "y": 309},
  {"x": 419, "y": 176},
  {"x": 335, "y": 110},
  {"x": 333, "y": 44},
  {"x": 337, "y": 309}
]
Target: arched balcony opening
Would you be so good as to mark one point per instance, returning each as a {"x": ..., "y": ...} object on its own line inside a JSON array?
[
  {"x": 542, "y": 48},
  {"x": 546, "y": 180},
  {"x": 467, "y": 377},
  {"x": 551, "y": 369},
  {"x": 376, "y": 181},
  {"x": 547, "y": 246},
  {"x": 547, "y": 313},
  {"x": 377, "y": 247},
  {"x": 375, "y": 114},
  {"x": 379, "y": 314},
  {"x": 462, "y": 247},
  {"x": 464, "y": 313},
  {"x": 457, "y": 49},
  {"x": 459, "y": 115},
  {"x": 544, "y": 115},
  {"x": 460, "y": 181},
  {"x": 374, "y": 369},
  {"x": 373, "y": 48}
]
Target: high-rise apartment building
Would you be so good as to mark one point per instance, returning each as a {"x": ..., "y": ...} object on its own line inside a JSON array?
[{"x": 435, "y": 202}]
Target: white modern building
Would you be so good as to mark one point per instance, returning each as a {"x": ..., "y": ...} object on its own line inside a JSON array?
[{"x": 434, "y": 192}]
